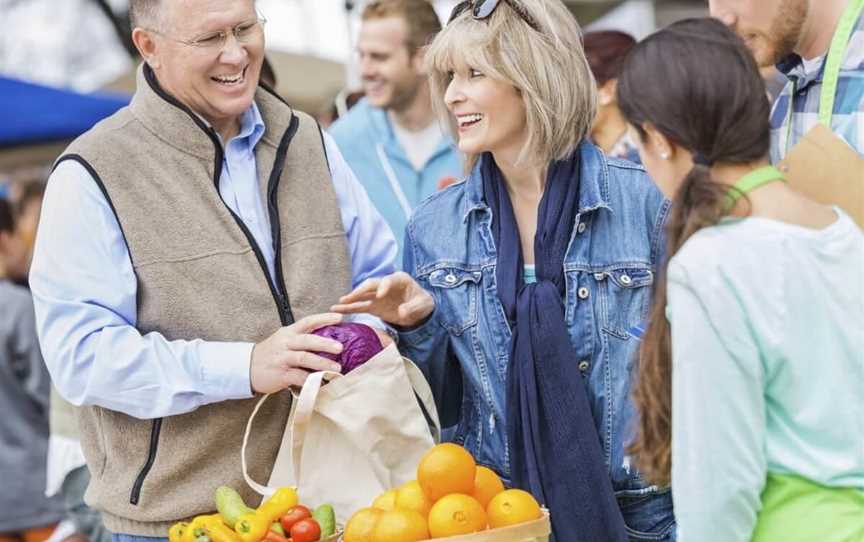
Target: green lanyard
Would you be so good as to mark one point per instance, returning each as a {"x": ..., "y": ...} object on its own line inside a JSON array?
[
  {"x": 831, "y": 75},
  {"x": 752, "y": 181}
]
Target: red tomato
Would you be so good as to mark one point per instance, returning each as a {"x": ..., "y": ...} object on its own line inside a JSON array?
[
  {"x": 306, "y": 530},
  {"x": 293, "y": 515}
]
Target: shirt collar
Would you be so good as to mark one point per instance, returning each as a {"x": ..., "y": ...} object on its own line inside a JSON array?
[
  {"x": 251, "y": 126},
  {"x": 794, "y": 68}
]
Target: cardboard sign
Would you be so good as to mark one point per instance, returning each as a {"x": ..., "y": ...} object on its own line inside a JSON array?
[{"x": 826, "y": 169}]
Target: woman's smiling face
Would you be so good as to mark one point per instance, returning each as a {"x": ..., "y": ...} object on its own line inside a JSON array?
[{"x": 490, "y": 114}]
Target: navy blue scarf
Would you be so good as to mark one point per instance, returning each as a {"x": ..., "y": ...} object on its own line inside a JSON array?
[{"x": 554, "y": 447}]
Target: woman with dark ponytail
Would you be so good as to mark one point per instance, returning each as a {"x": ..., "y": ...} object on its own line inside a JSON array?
[{"x": 751, "y": 377}]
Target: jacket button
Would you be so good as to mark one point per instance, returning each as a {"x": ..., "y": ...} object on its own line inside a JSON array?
[
  {"x": 625, "y": 279},
  {"x": 583, "y": 293},
  {"x": 450, "y": 279},
  {"x": 584, "y": 365},
  {"x": 580, "y": 228}
]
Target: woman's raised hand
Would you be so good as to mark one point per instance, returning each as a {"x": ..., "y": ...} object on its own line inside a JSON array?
[{"x": 397, "y": 299}]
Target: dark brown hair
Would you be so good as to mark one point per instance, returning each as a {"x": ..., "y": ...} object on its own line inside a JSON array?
[
  {"x": 7, "y": 220},
  {"x": 606, "y": 51},
  {"x": 419, "y": 16},
  {"x": 699, "y": 86}
]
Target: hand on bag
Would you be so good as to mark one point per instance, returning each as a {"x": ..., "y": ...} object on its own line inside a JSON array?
[
  {"x": 396, "y": 299},
  {"x": 286, "y": 358}
]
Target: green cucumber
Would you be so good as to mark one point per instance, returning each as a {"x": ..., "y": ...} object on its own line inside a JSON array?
[
  {"x": 230, "y": 505},
  {"x": 326, "y": 519}
]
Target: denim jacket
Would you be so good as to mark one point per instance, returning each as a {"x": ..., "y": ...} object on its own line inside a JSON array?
[{"x": 609, "y": 267}]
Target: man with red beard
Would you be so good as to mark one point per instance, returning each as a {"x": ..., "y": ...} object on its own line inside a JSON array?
[
  {"x": 391, "y": 138},
  {"x": 797, "y": 35}
]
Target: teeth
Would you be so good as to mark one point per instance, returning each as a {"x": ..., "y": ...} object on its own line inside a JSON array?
[
  {"x": 470, "y": 119},
  {"x": 229, "y": 78}
]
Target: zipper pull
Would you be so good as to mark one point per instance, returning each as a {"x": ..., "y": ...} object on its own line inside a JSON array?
[{"x": 286, "y": 310}]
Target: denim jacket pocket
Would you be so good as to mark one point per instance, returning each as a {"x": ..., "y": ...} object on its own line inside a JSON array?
[
  {"x": 626, "y": 294},
  {"x": 648, "y": 514},
  {"x": 455, "y": 291}
]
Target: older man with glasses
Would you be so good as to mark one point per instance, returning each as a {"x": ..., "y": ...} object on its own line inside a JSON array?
[{"x": 189, "y": 245}]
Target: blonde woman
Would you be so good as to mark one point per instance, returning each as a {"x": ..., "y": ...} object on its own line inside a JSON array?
[{"x": 530, "y": 279}]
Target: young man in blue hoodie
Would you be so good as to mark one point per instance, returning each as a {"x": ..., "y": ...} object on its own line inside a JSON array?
[{"x": 391, "y": 138}]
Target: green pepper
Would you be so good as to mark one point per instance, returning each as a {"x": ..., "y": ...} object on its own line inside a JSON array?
[
  {"x": 252, "y": 527},
  {"x": 326, "y": 518},
  {"x": 230, "y": 505}
]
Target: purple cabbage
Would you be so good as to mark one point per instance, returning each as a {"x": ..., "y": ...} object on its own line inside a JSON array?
[{"x": 359, "y": 344}]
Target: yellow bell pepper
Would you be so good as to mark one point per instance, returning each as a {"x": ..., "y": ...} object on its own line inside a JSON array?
[
  {"x": 252, "y": 527},
  {"x": 175, "y": 533},
  {"x": 188, "y": 534},
  {"x": 219, "y": 532},
  {"x": 278, "y": 504},
  {"x": 200, "y": 526}
]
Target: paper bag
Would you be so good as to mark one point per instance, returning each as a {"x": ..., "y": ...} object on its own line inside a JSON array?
[
  {"x": 826, "y": 169},
  {"x": 350, "y": 439}
]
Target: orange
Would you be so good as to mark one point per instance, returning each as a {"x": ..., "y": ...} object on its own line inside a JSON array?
[
  {"x": 362, "y": 524},
  {"x": 486, "y": 485},
  {"x": 511, "y": 507},
  {"x": 411, "y": 497},
  {"x": 456, "y": 514},
  {"x": 386, "y": 500},
  {"x": 400, "y": 526},
  {"x": 446, "y": 468}
]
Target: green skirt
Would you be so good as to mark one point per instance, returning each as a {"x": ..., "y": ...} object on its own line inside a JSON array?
[{"x": 798, "y": 510}]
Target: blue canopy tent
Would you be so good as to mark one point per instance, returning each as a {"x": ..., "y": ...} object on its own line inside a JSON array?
[{"x": 36, "y": 121}]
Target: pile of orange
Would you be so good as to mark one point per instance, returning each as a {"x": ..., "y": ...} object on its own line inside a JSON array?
[{"x": 451, "y": 496}]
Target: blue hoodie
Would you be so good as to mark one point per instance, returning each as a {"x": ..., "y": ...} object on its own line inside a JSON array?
[{"x": 369, "y": 145}]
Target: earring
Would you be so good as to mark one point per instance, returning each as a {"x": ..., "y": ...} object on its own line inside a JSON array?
[{"x": 664, "y": 155}]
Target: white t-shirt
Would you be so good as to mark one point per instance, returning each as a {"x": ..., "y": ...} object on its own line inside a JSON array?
[
  {"x": 419, "y": 146},
  {"x": 812, "y": 65}
]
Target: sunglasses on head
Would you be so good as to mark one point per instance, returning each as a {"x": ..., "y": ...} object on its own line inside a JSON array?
[{"x": 482, "y": 9}]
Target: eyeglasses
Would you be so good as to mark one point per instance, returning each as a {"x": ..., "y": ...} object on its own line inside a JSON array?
[
  {"x": 244, "y": 32},
  {"x": 483, "y": 9}
]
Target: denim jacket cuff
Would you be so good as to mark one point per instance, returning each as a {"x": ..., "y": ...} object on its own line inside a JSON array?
[{"x": 417, "y": 335}]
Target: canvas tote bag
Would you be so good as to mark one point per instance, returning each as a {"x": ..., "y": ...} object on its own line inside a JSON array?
[{"x": 351, "y": 437}]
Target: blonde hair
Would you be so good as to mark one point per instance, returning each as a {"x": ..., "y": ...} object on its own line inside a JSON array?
[{"x": 547, "y": 67}]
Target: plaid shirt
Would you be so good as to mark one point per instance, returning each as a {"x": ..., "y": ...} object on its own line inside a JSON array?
[{"x": 848, "y": 119}]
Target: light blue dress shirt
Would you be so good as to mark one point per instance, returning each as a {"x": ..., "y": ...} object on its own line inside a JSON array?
[{"x": 84, "y": 290}]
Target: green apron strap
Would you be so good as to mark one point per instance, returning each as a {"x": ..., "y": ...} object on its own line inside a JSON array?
[
  {"x": 834, "y": 62},
  {"x": 752, "y": 181}
]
